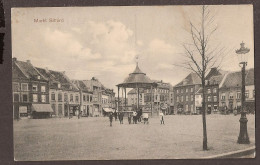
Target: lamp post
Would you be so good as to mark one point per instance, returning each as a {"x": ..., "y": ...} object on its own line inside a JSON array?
[{"x": 243, "y": 135}]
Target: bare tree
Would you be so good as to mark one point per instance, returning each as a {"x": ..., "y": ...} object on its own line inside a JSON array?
[{"x": 200, "y": 57}]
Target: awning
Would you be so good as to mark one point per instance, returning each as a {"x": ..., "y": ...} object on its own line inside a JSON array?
[
  {"x": 41, "y": 108},
  {"x": 108, "y": 109}
]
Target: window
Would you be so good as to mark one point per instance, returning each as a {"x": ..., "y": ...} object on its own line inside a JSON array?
[
  {"x": 16, "y": 87},
  {"x": 238, "y": 95},
  {"x": 84, "y": 97},
  {"x": 187, "y": 98},
  {"x": 209, "y": 98},
  {"x": 77, "y": 98},
  {"x": 181, "y": 90},
  {"x": 59, "y": 96},
  {"x": 223, "y": 104},
  {"x": 90, "y": 98},
  {"x": 16, "y": 97},
  {"x": 71, "y": 97},
  {"x": 53, "y": 96},
  {"x": 65, "y": 97},
  {"x": 182, "y": 98},
  {"x": 187, "y": 90},
  {"x": 247, "y": 94},
  {"x": 177, "y": 99},
  {"x": 35, "y": 88},
  {"x": 191, "y": 97},
  {"x": 43, "y": 88},
  {"x": 25, "y": 98},
  {"x": 191, "y": 89},
  {"x": 223, "y": 97},
  {"x": 215, "y": 98},
  {"x": 215, "y": 90},
  {"x": 43, "y": 98},
  {"x": 231, "y": 96},
  {"x": 209, "y": 90},
  {"x": 177, "y": 90},
  {"x": 35, "y": 98},
  {"x": 59, "y": 85},
  {"x": 187, "y": 107},
  {"x": 24, "y": 87}
]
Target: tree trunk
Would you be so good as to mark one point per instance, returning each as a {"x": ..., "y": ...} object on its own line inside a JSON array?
[{"x": 205, "y": 145}]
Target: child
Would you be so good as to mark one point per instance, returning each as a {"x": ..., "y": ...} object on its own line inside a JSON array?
[{"x": 161, "y": 116}]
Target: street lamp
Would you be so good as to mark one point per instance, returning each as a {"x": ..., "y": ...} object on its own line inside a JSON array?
[{"x": 242, "y": 57}]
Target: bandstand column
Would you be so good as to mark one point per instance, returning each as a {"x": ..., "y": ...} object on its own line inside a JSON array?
[
  {"x": 122, "y": 99},
  {"x": 151, "y": 100},
  {"x": 125, "y": 98},
  {"x": 137, "y": 98},
  {"x": 118, "y": 98}
]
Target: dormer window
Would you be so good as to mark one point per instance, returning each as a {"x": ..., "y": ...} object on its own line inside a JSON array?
[
  {"x": 38, "y": 77},
  {"x": 59, "y": 85}
]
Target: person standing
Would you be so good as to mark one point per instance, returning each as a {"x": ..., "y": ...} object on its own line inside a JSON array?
[
  {"x": 110, "y": 119},
  {"x": 129, "y": 118},
  {"x": 135, "y": 117},
  {"x": 161, "y": 117},
  {"x": 121, "y": 118}
]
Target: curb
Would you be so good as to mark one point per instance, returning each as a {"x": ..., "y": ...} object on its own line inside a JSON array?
[{"x": 233, "y": 154}]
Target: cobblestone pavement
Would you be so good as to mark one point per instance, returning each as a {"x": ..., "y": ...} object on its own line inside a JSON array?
[{"x": 93, "y": 138}]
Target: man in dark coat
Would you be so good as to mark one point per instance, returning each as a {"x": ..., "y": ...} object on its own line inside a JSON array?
[
  {"x": 110, "y": 119},
  {"x": 121, "y": 117}
]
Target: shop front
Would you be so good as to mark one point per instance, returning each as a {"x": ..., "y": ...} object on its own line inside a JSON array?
[{"x": 41, "y": 111}]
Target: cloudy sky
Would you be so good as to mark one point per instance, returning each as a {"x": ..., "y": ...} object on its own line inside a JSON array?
[{"x": 102, "y": 42}]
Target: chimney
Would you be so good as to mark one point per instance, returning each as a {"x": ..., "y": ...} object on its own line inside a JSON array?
[
  {"x": 14, "y": 59},
  {"x": 28, "y": 61}
]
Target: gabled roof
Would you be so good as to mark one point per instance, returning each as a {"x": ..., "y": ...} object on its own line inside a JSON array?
[
  {"x": 81, "y": 85},
  {"x": 29, "y": 70},
  {"x": 216, "y": 79},
  {"x": 57, "y": 77},
  {"x": 191, "y": 79},
  {"x": 234, "y": 79}
]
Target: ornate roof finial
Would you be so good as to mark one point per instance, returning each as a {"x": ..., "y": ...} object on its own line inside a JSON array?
[{"x": 136, "y": 59}]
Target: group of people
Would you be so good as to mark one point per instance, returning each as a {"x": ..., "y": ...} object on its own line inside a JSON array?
[{"x": 136, "y": 116}]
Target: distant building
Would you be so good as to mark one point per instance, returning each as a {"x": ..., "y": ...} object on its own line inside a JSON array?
[
  {"x": 184, "y": 93},
  {"x": 86, "y": 104},
  {"x": 63, "y": 95},
  {"x": 230, "y": 91},
  {"x": 102, "y": 96},
  {"x": 188, "y": 93},
  {"x": 163, "y": 97},
  {"x": 30, "y": 91}
]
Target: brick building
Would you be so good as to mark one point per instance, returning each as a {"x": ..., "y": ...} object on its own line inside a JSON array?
[
  {"x": 230, "y": 91},
  {"x": 30, "y": 91}
]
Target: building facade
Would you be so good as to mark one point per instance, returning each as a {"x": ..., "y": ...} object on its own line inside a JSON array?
[
  {"x": 64, "y": 96},
  {"x": 230, "y": 92},
  {"x": 30, "y": 91},
  {"x": 184, "y": 94}
]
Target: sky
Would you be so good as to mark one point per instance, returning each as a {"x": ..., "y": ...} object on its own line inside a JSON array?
[{"x": 103, "y": 42}]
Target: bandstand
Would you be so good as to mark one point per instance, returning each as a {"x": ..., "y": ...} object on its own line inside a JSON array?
[{"x": 136, "y": 80}]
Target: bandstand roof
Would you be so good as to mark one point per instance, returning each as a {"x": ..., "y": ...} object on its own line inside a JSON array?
[{"x": 137, "y": 79}]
